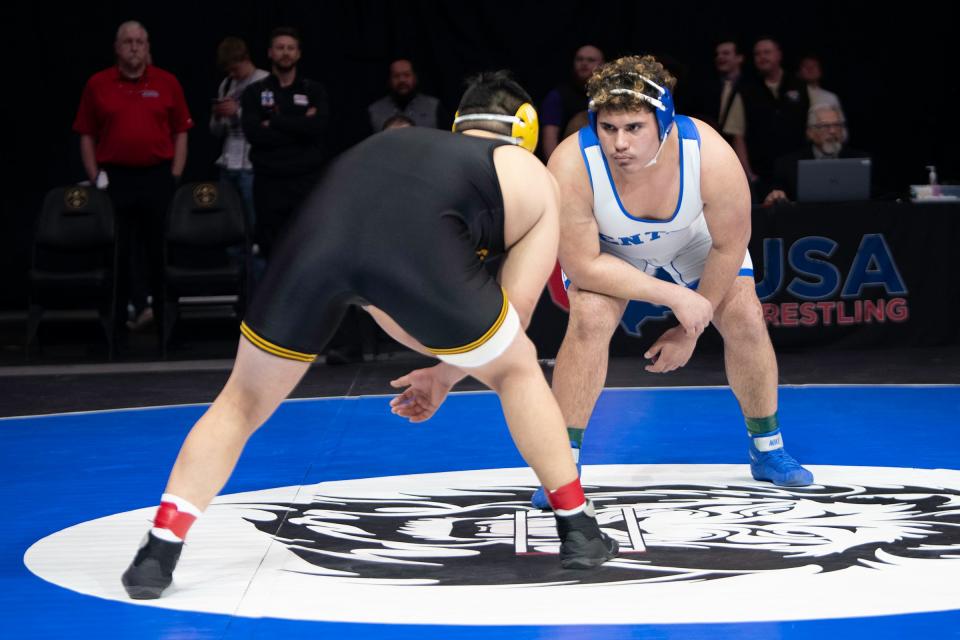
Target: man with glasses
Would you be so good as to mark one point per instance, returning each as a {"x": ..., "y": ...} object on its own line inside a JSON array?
[{"x": 827, "y": 134}]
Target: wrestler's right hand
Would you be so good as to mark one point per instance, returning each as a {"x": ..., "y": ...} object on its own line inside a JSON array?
[
  {"x": 426, "y": 389},
  {"x": 693, "y": 311}
]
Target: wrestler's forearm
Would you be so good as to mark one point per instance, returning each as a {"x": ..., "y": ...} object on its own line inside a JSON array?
[
  {"x": 611, "y": 276},
  {"x": 179, "y": 154},
  {"x": 88, "y": 154}
]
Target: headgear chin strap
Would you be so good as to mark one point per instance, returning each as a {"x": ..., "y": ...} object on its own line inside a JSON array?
[
  {"x": 663, "y": 109},
  {"x": 523, "y": 133}
]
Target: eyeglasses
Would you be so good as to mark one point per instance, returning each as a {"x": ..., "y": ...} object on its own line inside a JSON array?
[{"x": 824, "y": 126}]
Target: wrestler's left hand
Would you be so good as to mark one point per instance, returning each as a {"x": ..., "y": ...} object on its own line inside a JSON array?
[
  {"x": 426, "y": 389},
  {"x": 671, "y": 351}
]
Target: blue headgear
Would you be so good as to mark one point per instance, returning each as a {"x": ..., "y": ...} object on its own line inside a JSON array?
[{"x": 662, "y": 107}]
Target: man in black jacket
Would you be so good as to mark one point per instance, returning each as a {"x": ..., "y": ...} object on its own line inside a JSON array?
[
  {"x": 775, "y": 108},
  {"x": 827, "y": 133},
  {"x": 285, "y": 118},
  {"x": 714, "y": 96}
]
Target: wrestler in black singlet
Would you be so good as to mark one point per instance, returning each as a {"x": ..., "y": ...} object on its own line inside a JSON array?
[{"x": 402, "y": 221}]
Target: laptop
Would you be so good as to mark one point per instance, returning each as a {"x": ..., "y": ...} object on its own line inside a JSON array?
[{"x": 833, "y": 180}]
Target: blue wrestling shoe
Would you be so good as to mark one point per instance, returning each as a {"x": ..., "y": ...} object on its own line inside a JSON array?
[
  {"x": 769, "y": 461},
  {"x": 539, "y": 499}
]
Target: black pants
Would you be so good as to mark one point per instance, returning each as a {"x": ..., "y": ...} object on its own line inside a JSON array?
[
  {"x": 275, "y": 198},
  {"x": 140, "y": 198}
]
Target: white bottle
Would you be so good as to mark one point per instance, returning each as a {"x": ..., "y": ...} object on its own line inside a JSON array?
[{"x": 934, "y": 184}]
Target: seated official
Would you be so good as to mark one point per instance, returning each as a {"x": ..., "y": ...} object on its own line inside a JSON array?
[{"x": 827, "y": 133}]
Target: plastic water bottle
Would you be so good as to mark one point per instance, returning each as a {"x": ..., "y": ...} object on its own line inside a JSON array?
[{"x": 934, "y": 183}]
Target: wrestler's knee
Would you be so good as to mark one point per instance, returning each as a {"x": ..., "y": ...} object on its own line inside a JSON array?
[
  {"x": 593, "y": 317},
  {"x": 519, "y": 359},
  {"x": 740, "y": 317}
]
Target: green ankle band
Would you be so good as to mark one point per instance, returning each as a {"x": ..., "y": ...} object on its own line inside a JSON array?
[
  {"x": 762, "y": 425},
  {"x": 576, "y": 435}
]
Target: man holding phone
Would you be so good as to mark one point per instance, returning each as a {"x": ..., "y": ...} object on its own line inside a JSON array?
[{"x": 234, "y": 161}]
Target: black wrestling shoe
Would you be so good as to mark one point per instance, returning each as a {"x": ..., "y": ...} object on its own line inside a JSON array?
[
  {"x": 152, "y": 568},
  {"x": 582, "y": 544}
]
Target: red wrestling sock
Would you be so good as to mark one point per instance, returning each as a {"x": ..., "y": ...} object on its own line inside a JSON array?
[
  {"x": 568, "y": 499},
  {"x": 174, "y": 518}
]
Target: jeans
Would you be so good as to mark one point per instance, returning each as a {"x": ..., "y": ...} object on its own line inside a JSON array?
[{"x": 242, "y": 179}]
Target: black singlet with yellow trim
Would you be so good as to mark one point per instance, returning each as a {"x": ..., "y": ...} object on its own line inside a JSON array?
[{"x": 402, "y": 221}]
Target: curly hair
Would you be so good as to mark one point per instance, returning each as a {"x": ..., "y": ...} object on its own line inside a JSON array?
[{"x": 605, "y": 85}]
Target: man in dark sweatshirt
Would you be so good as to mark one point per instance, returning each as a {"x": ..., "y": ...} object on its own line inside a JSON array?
[{"x": 285, "y": 118}]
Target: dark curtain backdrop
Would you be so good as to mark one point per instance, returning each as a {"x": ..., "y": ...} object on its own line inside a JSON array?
[{"x": 894, "y": 69}]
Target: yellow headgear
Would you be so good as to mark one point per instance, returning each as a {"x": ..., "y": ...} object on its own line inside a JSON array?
[{"x": 524, "y": 130}]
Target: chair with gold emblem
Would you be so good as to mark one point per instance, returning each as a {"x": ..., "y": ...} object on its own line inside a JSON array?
[
  {"x": 73, "y": 260},
  {"x": 206, "y": 255}
]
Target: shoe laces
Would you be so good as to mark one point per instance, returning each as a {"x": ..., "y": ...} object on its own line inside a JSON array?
[{"x": 781, "y": 459}]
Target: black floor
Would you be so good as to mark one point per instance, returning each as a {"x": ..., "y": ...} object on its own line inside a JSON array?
[
  {"x": 54, "y": 388},
  {"x": 69, "y": 371}
]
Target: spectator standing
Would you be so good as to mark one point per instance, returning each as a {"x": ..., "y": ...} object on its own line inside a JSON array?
[
  {"x": 716, "y": 94},
  {"x": 810, "y": 72},
  {"x": 233, "y": 57},
  {"x": 774, "y": 119},
  {"x": 285, "y": 118},
  {"x": 568, "y": 99},
  {"x": 133, "y": 122},
  {"x": 404, "y": 98}
]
